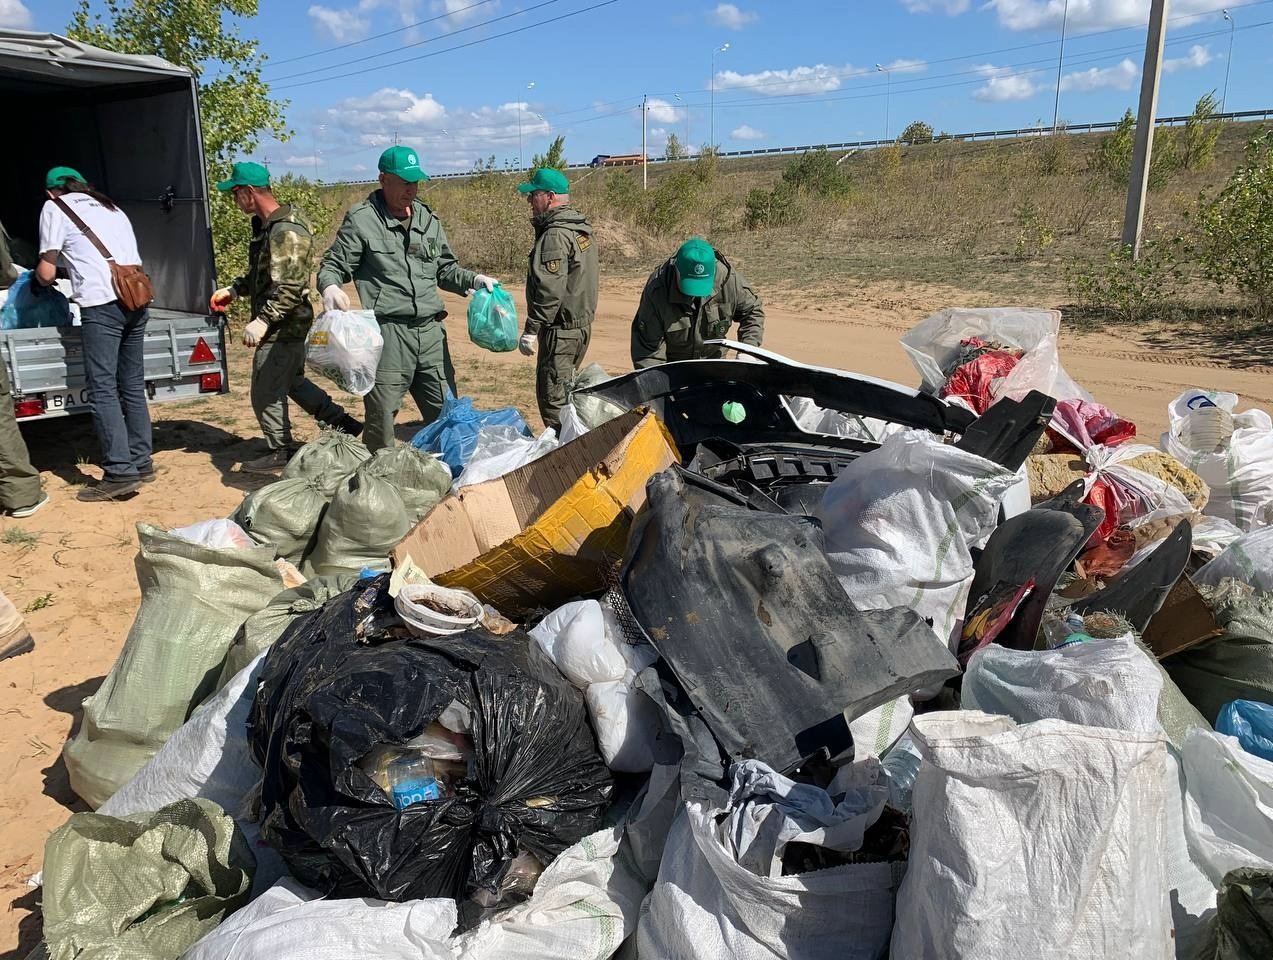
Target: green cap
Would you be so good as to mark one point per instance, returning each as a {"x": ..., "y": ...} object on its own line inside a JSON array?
[
  {"x": 56, "y": 178},
  {"x": 246, "y": 174},
  {"x": 402, "y": 162},
  {"x": 696, "y": 268},
  {"x": 549, "y": 179}
]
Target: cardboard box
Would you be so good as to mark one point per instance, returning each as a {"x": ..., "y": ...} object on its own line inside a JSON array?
[{"x": 550, "y": 530}]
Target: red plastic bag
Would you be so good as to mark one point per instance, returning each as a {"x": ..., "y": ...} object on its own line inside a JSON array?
[{"x": 974, "y": 381}]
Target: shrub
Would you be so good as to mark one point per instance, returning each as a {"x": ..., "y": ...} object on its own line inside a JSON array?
[
  {"x": 1113, "y": 156},
  {"x": 917, "y": 132},
  {"x": 1197, "y": 146},
  {"x": 771, "y": 208},
  {"x": 555, "y": 157},
  {"x": 671, "y": 202},
  {"x": 1128, "y": 290},
  {"x": 815, "y": 172}
]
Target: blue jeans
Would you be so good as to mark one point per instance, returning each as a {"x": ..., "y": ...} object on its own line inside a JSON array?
[{"x": 114, "y": 363}]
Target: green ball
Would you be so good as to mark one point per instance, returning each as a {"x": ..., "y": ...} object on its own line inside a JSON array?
[{"x": 733, "y": 411}]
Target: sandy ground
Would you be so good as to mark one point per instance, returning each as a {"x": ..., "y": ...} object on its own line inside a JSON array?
[{"x": 71, "y": 564}]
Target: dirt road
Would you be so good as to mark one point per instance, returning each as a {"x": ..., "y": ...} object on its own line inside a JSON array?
[{"x": 71, "y": 567}]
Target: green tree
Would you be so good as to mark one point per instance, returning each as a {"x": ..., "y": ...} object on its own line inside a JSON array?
[
  {"x": 917, "y": 132},
  {"x": 675, "y": 150},
  {"x": 1113, "y": 155},
  {"x": 1198, "y": 144},
  {"x": 235, "y": 108},
  {"x": 555, "y": 157}
]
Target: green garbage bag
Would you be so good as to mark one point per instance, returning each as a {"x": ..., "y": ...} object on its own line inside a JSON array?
[
  {"x": 420, "y": 478},
  {"x": 284, "y": 514},
  {"x": 193, "y": 600},
  {"x": 365, "y": 521},
  {"x": 144, "y": 887},
  {"x": 493, "y": 319},
  {"x": 327, "y": 460}
]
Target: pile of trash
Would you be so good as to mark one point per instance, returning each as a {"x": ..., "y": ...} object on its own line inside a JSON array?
[{"x": 756, "y": 659}]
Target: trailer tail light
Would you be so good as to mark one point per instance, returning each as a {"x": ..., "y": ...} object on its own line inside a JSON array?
[
  {"x": 210, "y": 382},
  {"x": 202, "y": 353},
  {"x": 28, "y": 408}
]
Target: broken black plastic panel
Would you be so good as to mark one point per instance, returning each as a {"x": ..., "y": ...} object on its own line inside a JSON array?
[
  {"x": 744, "y": 608},
  {"x": 1140, "y": 592}
]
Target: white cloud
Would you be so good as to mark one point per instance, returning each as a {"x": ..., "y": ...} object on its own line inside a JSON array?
[
  {"x": 951, "y": 7},
  {"x": 660, "y": 111},
  {"x": 1198, "y": 56},
  {"x": 728, "y": 15},
  {"x": 1086, "y": 15},
  {"x": 907, "y": 66},
  {"x": 14, "y": 15},
  {"x": 305, "y": 160},
  {"x": 819, "y": 78},
  {"x": 1120, "y": 77},
  {"x": 461, "y": 11},
  {"x": 747, "y": 133},
  {"x": 341, "y": 25},
  {"x": 359, "y": 168},
  {"x": 1003, "y": 85}
]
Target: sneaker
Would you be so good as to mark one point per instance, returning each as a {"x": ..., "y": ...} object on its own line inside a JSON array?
[
  {"x": 272, "y": 462},
  {"x": 20, "y": 513},
  {"x": 16, "y": 641},
  {"x": 347, "y": 424},
  {"x": 108, "y": 490}
]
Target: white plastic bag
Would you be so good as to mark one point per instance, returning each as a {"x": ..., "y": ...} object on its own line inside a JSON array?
[
  {"x": 501, "y": 449},
  {"x": 1229, "y": 808},
  {"x": 1249, "y": 559},
  {"x": 900, "y": 523},
  {"x": 578, "y": 640},
  {"x": 1232, "y": 452},
  {"x": 344, "y": 346},
  {"x": 1043, "y": 840},
  {"x": 1140, "y": 496},
  {"x": 934, "y": 343},
  {"x": 218, "y": 534},
  {"x": 572, "y": 425},
  {"x": 809, "y": 416}
]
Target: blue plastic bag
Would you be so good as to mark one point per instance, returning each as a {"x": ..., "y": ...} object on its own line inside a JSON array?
[
  {"x": 453, "y": 435},
  {"x": 1251, "y": 722},
  {"x": 24, "y": 308},
  {"x": 493, "y": 319}
]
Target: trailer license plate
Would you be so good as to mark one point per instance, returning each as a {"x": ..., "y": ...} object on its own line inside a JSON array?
[{"x": 68, "y": 401}]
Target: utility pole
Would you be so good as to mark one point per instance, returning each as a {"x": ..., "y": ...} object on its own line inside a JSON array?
[
  {"x": 645, "y": 160},
  {"x": 1060, "y": 60},
  {"x": 1134, "y": 218},
  {"x": 711, "y": 110},
  {"x": 1224, "y": 98},
  {"x": 888, "y": 95}
]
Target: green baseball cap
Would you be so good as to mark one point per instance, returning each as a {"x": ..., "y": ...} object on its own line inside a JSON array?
[
  {"x": 696, "y": 268},
  {"x": 402, "y": 162},
  {"x": 549, "y": 179},
  {"x": 56, "y": 178},
  {"x": 246, "y": 174}
]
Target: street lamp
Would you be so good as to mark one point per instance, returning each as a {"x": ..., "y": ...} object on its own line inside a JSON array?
[
  {"x": 520, "y": 164},
  {"x": 711, "y": 122},
  {"x": 1060, "y": 59},
  {"x": 1229, "y": 62},
  {"x": 687, "y": 119},
  {"x": 888, "y": 95}
]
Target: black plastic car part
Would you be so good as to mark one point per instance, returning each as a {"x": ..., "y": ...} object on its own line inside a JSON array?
[
  {"x": 744, "y": 608},
  {"x": 1140, "y": 592}
]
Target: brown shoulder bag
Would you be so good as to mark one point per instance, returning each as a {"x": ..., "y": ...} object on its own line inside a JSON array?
[{"x": 131, "y": 284}]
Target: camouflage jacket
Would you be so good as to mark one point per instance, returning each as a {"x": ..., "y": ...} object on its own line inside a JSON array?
[
  {"x": 562, "y": 276},
  {"x": 278, "y": 274}
]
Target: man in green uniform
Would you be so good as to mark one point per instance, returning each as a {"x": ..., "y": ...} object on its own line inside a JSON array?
[
  {"x": 20, "y": 491},
  {"x": 277, "y": 282},
  {"x": 692, "y": 298},
  {"x": 561, "y": 289},
  {"x": 396, "y": 252}
]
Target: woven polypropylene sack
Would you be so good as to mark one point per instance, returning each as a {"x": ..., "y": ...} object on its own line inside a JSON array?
[
  {"x": 1238, "y": 665},
  {"x": 327, "y": 460},
  {"x": 144, "y": 887},
  {"x": 284, "y": 514},
  {"x": 421, "y": 479},
  {"x": 193, "y": 600},
  {"x": 365, "y": 521}
]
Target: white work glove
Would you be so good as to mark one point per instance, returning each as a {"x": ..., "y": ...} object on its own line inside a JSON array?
[
  {"x": 527, "y": 344},
  {"x": 222, "y": 299},
  {"x": 253, "y": 332},
  {"x": 482, "y": 280},
  {"x": 334, "y": 298}
]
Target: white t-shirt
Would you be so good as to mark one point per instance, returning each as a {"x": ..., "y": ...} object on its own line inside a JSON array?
[{"x": 90, "y": 275}]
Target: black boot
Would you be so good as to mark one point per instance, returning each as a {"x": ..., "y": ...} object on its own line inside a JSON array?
[{"x": 347, "y": 424}]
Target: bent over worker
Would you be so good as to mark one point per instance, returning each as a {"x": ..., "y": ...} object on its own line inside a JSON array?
[
  {"x": 277, "y": 282},
  {"x": 561, "y": 290},
  {"x": 396, "y": 252},
  {"x": 695, "y": 296}
]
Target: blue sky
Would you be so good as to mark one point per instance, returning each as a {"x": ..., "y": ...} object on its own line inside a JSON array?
[{"x": 795, "y": 72}]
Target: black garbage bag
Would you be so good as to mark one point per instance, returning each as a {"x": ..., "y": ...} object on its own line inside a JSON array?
[
  {"x": 1243, "y": 925},
  {"x": 328, "y": 697}
]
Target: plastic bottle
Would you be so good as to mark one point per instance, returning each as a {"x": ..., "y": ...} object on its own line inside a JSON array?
[
  {"x": 413, "y": 780},
  {"x": 902, "y": 764}
]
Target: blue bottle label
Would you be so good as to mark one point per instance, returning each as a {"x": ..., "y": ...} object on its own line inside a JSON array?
[{"x": 409, "y": 792}]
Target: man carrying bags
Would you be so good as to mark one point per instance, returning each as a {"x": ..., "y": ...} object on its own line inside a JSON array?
[
  {"x": 277, "y": 282},
  {"x": 561, "y": 289}
]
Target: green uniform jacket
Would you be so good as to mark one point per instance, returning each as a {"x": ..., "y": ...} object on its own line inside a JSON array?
[
  {"x": 671, "y": 326},
  {"x": 278, "y": 274},
  {"x": 397, "y": 265},
  {"x": 562, "y": 277}
]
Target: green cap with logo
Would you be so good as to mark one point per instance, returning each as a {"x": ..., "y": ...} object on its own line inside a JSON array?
[
  {"x": 402, "y": 162},
  {"x": 56, "y": 178},
  {"x": 245, "y": 174},
  {"x": 548, "y": 179},
  {"x": 696, "y": 268}
]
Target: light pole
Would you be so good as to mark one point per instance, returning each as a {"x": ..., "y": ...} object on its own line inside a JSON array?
[
  {"x": 1060, "y": 59},
  {"x": 888, "y": 95},
  {"x": 320, "y": 129},
  {"x": 520, "y": 164},
  {"x": 1229, "y": 62},
  {"x": 645, "y": 164},
  {"x": 711, "y": 122},
  {"x": 687, "y": 120}
]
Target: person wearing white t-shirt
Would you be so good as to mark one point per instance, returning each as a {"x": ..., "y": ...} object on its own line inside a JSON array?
[{"x": 113, "y": 337}]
